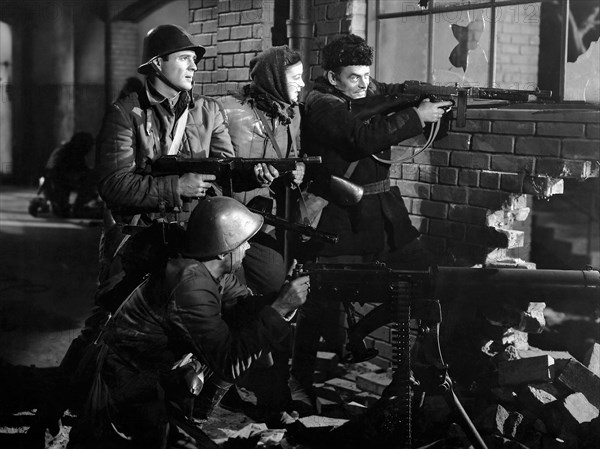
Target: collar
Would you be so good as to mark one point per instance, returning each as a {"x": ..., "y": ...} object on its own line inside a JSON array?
[{"x": 155, "y": 97}]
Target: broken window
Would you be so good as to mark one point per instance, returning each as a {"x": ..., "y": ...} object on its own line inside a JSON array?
[{"x": 499, "y": 43}]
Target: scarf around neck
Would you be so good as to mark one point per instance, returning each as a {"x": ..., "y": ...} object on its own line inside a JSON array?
[{"x": 268, "y": 89}]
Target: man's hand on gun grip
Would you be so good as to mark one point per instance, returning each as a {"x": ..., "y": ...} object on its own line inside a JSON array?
[
  {"x": 292, "y": 295},
  {"x": 433, "y": 112},
  {"x": 194, "y": 185}
]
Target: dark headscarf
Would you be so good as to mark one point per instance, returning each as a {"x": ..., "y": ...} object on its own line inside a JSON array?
[{"x": 268, "y": 89}]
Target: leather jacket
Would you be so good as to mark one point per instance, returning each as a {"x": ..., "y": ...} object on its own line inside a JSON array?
[{"x": 250, "y": 139}]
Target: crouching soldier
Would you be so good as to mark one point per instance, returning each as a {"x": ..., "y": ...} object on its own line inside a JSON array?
[{"x": 193, "y": 328}]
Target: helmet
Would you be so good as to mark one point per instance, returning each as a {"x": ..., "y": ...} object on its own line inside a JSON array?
[
  {"x": 163, "y": 40},
  {"x": 219, "y": 225}
]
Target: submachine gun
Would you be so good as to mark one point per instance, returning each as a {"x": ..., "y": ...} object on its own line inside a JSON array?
[
  {"x": 404, "y": 295},
  {"x": 459, "y": 95},
  {"x": 232, "y": 172},
  {"x": 413, "y": 92},
  {"x": 228, "y": 170}
]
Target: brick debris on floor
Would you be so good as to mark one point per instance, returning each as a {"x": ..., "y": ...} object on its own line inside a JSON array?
[
  {"x": 535, "y": 399},
  {"x": 538, "y": 399}
]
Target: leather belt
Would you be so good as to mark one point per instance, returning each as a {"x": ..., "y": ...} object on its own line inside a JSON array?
[{"x": 376, "y": 187}]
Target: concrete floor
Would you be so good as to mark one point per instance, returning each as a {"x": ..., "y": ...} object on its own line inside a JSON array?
[{"x": 48, "y": 269}]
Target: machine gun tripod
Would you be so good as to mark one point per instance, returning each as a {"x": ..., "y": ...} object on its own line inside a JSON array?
[{"x": 405, "y": 295}]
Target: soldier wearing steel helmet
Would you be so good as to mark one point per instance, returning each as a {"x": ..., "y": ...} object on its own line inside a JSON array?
[
  {"x": 184, "y": 336},
  {"x": 143, "y": 126}
]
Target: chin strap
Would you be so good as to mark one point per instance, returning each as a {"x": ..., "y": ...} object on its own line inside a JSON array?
[
  {"x": 433, "y": 132},
  {"x": 162, "y": 76}
]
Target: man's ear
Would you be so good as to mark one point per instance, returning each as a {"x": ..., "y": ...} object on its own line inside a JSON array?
[
  {"x": 331, "y": 77},
  {"x": 157, "y": 62}
]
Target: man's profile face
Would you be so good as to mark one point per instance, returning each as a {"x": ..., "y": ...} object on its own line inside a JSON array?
[
  {"x": 179, "y": 68},
  {"x": 352, "y": 80},
  {"x": 294, "y": 82}
]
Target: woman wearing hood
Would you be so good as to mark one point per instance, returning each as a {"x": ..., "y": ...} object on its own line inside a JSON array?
[{"x": 263, "y": 120}]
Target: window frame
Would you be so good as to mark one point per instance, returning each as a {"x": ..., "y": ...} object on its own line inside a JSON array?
[{"x": 374, "y": 17}]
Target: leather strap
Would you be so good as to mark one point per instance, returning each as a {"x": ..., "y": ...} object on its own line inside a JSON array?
[
  {"x": 432, "y": 135},
  {"x": 269, "y": 130},
  {"x": 180, "y": 127}
]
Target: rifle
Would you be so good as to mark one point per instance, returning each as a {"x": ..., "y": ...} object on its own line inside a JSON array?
[
  {"x": 459, "y": 95},
  {"x": 227, "y": 170},
  {"x": 404, "y": 295}
]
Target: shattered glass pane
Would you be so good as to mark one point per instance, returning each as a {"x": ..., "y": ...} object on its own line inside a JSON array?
[
  {"x": 461, "y": 48},
  {"x": 582, "y": 74},
  {"x": 582, "y": 77}
]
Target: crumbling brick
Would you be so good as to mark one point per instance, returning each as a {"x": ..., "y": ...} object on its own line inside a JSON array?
[
  {"x": 561, "y": 358},
  {"x": 580, "y": 379},
  {"x": 513, "y": 424},
  {"x": 522, "y": 371},
  {"x": 532, "y": 320},
  {"x": 343, "y": 384},
  {"x": 535, "y": 396},
  {"x": 493, "y": 418},
  {"x": 373, "y": 382},
  {"x": 592, "y": 359},
  {"x": 327, "y": 361},
  {"x": 579, "y": 408}
]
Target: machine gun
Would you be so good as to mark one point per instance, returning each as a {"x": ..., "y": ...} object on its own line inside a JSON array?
[
  {"x": 404, "y": 295},
  {"x": 459, "y": 95},
  {"x": 227, "y": 170}
]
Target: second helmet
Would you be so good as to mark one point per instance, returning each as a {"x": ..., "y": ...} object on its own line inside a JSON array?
[{"x": 219, "y": 225}]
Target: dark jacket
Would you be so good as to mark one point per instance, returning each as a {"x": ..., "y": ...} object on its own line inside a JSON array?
[
  {"x": 331, "y": 129},
  {"x": 137, "y": 130},
  {"x": 184, "y": 311}
]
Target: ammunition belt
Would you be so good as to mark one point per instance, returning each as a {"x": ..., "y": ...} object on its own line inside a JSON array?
[{"x": 376, "y": 187}]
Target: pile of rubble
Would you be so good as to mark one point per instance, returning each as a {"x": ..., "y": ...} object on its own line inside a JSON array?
[{"x": 526, "y": 398}]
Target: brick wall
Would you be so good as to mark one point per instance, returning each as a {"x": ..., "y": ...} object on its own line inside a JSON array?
[
  {"x": 517, "y": 47},
  {"x": 233, "y": 32},
  {"x": 471, "y": 194}
]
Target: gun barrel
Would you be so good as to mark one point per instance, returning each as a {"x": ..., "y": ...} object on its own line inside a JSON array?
[
  {"x": 518, "y": 284},
  {"x": 279, "y": 222}
]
